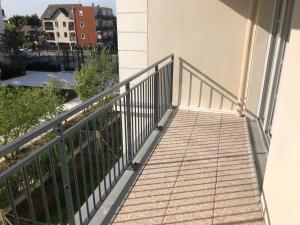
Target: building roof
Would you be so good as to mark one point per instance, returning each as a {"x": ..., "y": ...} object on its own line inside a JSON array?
[{"x": 65, "y": 8}]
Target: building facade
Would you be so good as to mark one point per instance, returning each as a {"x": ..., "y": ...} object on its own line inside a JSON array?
[
  {"x": 84, "y": 18},
  {"x": 249, "y": 51},
  {"x": 69, "y": 25},
  {"x": 105, "y": 26},
  {"x": 58, "y": 23}
]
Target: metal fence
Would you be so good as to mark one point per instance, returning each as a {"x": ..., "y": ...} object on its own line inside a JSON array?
[
  {"x": 66, "y": 59},
  {"x": 67, "y": 178}
]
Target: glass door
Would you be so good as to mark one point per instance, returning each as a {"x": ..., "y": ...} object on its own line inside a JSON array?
[{"x": 280, "y": 35}]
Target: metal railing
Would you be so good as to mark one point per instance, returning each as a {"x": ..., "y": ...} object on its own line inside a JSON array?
[{"x": 67, "y": 178}]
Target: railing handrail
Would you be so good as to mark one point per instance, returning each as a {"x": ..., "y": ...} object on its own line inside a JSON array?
[{"x": 35, "y": 132}]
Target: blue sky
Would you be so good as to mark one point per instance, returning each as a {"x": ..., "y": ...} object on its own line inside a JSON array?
[{"x": 28, "y": 7}]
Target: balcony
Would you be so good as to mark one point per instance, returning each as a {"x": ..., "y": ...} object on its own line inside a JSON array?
[
  {"x": 181, "y": 166},
  {"x": 104, "y": 17},
  {"x": 48, "y": 26},
  {"x": 104, "y": 28}
]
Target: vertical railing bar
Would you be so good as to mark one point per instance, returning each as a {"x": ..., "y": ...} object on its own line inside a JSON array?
[
  {"x": 83, "y": 170},
  {"x": 190, "y": 89},
  {"x": 65, "y": 174},
  {"x": 136, "y": 134},
  {"x": 171, "y": 80},
  {"x": 121, "y": 136},
  {"x": 97, "y": 157},
  {"x": 152, "y": 101},
  {"x": 200, "y": 93},
  {"x": 210, "y": 97},
  {"x": 125, "y": 130},
  {"x": 55, "y": 186},
  {"x": 75, "y": 178},
  {"x": 117, "y": 138},
  {"x": 143, "y": 108},
  {"x": 165, "y": 88},
  {"x": 112, "y": 136},
  {"x": 140, "y": 115},
  {"x": 44, "y": 196},
  {"x": 90, "y": 164},
  {"x": 101, "y": 147},
  {"x": 12, "y": 201},
  {"x": 28, "y": 193},
  {"x": 155, "y": 93},
  {"x": 106, "y": 142},
  {"x": 161, "y": 93},
  {"x": 133, "y": 150},
  {"x": 221, "y": 103},
  {"x": 148, "y": 106},
  {"x": 129, "y": 131},
  {"x": 232, "y": 105}
]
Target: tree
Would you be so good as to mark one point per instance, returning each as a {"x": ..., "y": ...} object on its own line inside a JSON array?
[
  {"x": 18, "y": 20},
  {"x": 93, "y": 78},
  {"x": 11, "y": 40},
  {"x": 35, "y": 39},
  {"x": 21, "y": 109},
  {"x": 33, "y": 20}
]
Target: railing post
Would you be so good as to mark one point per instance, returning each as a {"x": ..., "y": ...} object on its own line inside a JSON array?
[
  {"x": 171, "y": 81},
  {"x": 65, "y": 174},
  {"x": 128, "y": 125},
  {"x": 155, "y": 91}
]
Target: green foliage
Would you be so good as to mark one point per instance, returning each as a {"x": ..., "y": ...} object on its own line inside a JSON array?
[
  {"x": 55, "y": 86},
  {"x": 21, "y": 21},
  {"x": 35, "y": 38},
  {"x": 87, "y": 81},
  {"x": 93, "y": 78},
  {"x": 11, "y": 40},
  {"x": 18, "y": 20},
  {"x": 22, "y": 109}
]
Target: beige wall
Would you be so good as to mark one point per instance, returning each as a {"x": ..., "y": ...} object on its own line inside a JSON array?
[
  {"x": 282, "y": 182},
  {"x": 260, "y": 53},
  {"x": 209, "y": 35},
  {"x": 132, "y": 36}
]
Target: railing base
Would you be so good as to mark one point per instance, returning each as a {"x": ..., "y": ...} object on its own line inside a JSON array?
[{"x": 134, "y": 166}]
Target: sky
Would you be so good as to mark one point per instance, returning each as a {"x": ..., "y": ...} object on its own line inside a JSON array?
[{"x": 28, "y": 7}]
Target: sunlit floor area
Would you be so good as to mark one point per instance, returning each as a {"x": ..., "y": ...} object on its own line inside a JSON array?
[{"x": 201, "y": 172}]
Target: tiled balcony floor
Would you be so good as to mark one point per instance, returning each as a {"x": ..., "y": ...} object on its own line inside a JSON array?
[{"x": 201, "y": 172}]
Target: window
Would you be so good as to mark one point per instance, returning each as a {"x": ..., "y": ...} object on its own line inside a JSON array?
[
  {"x": 57, "y": 34},
  {"x": 66, "y": 34},
  {"x": 64, "y": 24},
  {"x": 80, "y": 12},
  {"x": 81, "y": 24},
  {"x": 56, "y": 24},
  {"x": 48, "y": 26},
  {"x": 82, "y": 36}
]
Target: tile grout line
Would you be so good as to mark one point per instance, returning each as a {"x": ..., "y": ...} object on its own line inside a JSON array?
[
  {"x": 219, "y": 143},
  {"x": 180, "y": 168}
]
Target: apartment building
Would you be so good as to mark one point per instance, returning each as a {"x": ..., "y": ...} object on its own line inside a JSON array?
[
  {"x": 84, "y": 18},
  {"x": 59, "y": 25},
  {"x": 105, "y": 26},
  {"x": 68, "y": 25}
]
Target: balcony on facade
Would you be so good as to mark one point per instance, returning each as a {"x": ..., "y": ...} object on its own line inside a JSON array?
[
  {"x": 71, "y": 26},
  {"x": 48, "y": 26},
  {"x": 104, "y": 17},
  {"x": 177, "y": 162}
]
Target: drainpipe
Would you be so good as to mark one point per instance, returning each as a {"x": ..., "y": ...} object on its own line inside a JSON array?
[{"x": 247, "y": 57}]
